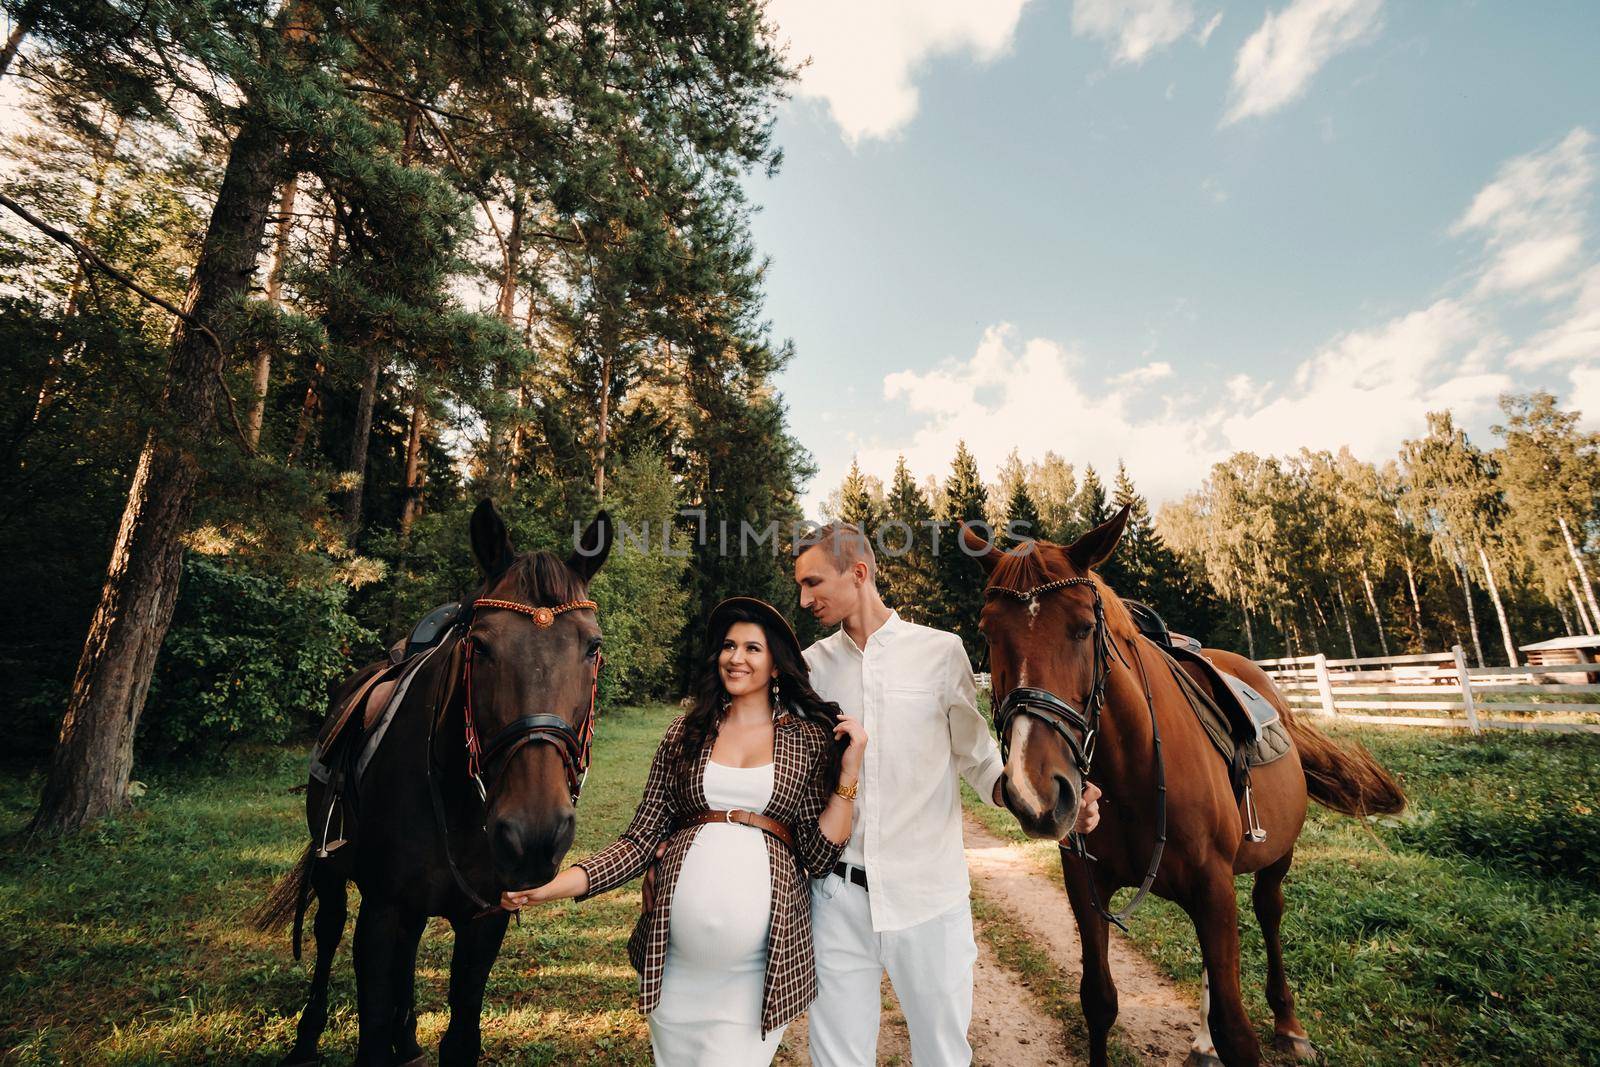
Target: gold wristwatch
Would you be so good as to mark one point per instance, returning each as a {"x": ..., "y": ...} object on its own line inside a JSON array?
[{"x": 847, "y": 791}]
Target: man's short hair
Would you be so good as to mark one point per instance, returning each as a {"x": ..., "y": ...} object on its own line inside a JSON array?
[{"x": 844, "y": 544}]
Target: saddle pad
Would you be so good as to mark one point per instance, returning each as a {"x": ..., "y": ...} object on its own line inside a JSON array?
[{"x": 1271, "y": 739}]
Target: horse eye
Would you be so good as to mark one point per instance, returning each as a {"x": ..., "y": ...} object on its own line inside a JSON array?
[
  {"x": 1083, "y": 633},
  {"x": 594, "y": 648}
]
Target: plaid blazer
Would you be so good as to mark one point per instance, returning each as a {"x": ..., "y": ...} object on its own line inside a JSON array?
[{"x": 800, "y": 751}]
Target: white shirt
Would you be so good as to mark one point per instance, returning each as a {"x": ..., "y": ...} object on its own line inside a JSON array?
[{"x": 912, "y": 690}]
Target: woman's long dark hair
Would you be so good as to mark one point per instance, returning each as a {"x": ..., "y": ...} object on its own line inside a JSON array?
[{"x": 794, "y": 691}]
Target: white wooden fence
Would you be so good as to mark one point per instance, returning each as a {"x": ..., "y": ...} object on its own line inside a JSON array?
[{"x": 1439, "y": 689}]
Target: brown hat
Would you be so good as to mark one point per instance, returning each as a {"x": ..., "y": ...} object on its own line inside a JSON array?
[{"x": 771, "y": 619}]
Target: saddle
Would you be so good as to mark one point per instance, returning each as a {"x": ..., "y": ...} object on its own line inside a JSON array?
[
  {"x": 363, "y": 709},
  {"x": 1244, "y": 727}
]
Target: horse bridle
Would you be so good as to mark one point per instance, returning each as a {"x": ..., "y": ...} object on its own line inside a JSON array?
[
  {"x": 1080, "y": 728},
  {"x": 573, "y": 743}
]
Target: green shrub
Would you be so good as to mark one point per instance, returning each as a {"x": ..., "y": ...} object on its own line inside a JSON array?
[{"x": 249, "y": 657}]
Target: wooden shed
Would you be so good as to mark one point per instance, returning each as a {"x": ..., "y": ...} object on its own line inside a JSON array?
[{"x": 1584, "y": 648}]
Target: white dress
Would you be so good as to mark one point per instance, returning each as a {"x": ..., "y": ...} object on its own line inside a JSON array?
[{"x": 710, "y": 1009}]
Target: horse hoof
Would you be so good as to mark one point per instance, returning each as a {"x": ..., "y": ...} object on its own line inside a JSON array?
[
  {"x": 1300, "y": 1047},
  {"x": 1196, "y": 1058}
]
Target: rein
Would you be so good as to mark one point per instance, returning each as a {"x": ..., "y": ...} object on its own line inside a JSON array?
[
  {"x": 1080, "y": 729},
  {"x": 572, "y": 743}
]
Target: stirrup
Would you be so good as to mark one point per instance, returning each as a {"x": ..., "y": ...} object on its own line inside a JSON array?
[
  {"x": 330, "y": 846},
  {"x": 1253, "y": 831}
]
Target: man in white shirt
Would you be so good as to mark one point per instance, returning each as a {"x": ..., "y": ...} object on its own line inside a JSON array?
[{"x": 900, "y": 897}]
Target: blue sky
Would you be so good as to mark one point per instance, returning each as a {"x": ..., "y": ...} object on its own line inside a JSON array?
[{"x": 1163, "y": 230}]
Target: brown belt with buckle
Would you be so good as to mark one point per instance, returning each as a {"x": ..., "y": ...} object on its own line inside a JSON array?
[{"x": 745, "y": 818}]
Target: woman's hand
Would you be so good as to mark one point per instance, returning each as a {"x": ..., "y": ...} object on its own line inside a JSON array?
[
  {"x": 572, "y": 882},
  {"x": 850, "y": 763},
  {"x": 516, "y": 901}
]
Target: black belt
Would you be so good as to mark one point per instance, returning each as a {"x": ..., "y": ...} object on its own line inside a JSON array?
[{"x": 851, "y": 873}]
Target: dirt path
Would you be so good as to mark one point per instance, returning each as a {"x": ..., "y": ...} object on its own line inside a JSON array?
[
  {"x": 1009, "y": 1027},
  {"x": 1155, "y": 1018}
]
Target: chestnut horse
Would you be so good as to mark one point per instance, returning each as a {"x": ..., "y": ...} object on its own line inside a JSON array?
[
  {"x": 471, "y": 792},
  {"x": 1080, "y": 693}
]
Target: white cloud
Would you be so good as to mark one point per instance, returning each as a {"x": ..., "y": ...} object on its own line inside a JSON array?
[
  {"x": 1135, "y": 28},
  {"x": 1208, "y": 29},
  {"x": 863, "y": 55},
  {"x": 1575, "y": 336},
  {"x": 1368, "y": 390},
  {"x": 1585, "y": 395},
  {"x": 1532, "y": 217},
  {"x": 1148, "y": 374},
  {"x": 1277, "y": 62}
]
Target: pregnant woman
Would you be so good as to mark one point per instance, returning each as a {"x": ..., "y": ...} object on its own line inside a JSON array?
[{"x": 748, "y": 793}]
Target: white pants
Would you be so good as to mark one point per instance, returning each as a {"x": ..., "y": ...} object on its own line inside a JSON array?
[{"x": 929, "y": 965}]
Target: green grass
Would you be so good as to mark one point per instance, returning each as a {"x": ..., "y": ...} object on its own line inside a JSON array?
[
  {"x": 1465, "y": 931},
  {"x": 127, "y": 944}
]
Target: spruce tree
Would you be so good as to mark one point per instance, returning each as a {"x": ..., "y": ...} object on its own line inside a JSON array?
[
  {"x": 906, "y": 575},
  {"x": 960, "y": 577},
  {"x": 1090, "y": 508}
]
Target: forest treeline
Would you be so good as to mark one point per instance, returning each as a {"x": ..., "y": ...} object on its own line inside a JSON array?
[
  {"x": 1447, "y": 543},
  {"x": 286, "y": 288}
]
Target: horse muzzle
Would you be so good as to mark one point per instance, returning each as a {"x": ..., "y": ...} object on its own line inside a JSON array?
[
  {"x": 1046, "y": 805},
  {"x": 527, "y": 852}
]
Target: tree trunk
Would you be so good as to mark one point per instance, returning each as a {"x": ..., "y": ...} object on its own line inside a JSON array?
[
  {"x": 356, "y": 469},
  {"x": 1583, "y": 571},
  {"x": 1566, "y": 620},
  {"x": 1499, "y": 607},
  {"x": 1344, "y": 609},
  {"x": 1416, "y": 603},
  {"x": 280, "y": 252},
  {"x": 412, "y": 506},
  {"x": 1472, "y": 613},
  {"x": 91, "y": 766},
  {"x": 1377, "y": 616},
  {"x": 19, "y": 30},
  {"x": 1249, "y": 633},
  {"x": 1584, "y": 619}
]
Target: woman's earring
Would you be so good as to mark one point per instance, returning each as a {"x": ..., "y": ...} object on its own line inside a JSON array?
[
  {"x": 774, "y": 690},
  {"x": 726, "y": 701}
]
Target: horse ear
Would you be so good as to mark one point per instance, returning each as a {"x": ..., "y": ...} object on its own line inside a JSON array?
[
  {"x": 980, "y": 548},
  {"x": 1096, "y": 546},
  {"x": 592, "y": 547},
  {"x": 491, "y": 541}
]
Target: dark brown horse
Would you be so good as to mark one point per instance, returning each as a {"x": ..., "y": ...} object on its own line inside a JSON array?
[
  {"x": 471, "y": 792},
  {"x": 1098, "y": 695}
]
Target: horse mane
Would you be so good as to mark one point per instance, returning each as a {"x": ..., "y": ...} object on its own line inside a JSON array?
[
  {"x": 544, "y": 579},
  {"x": 1047, "y": 561}
]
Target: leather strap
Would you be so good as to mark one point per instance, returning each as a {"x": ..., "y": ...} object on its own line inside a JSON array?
[
  {"x": 745, "y": 818},
  {"x": 851, "y": 873}
]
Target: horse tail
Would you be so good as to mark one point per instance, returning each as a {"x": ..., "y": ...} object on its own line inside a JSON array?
[
  {"x": 1346, "y": 778},
  {"x": 287, "y": 900}
]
